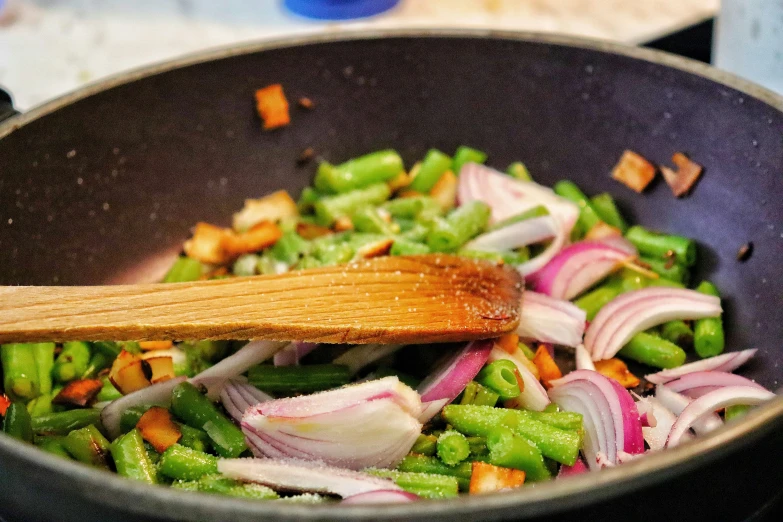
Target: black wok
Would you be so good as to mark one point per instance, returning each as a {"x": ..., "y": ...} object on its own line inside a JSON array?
[{"x": 103, "y": 185}]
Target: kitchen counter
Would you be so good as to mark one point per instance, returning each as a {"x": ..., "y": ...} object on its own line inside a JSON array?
[{"x": 50, "y": 47}]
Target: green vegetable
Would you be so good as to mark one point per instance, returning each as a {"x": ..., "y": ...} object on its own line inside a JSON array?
[
  {"x": 607, "y": 211},
  {"x": 538, "y": 211},
  {"x": 425, "y": 445},
  {"x": 452, "y": 447},
  {"x": 661, "y": 246},
  {"x": 289, "y": 248},
  {"x": 735, "y": 412},
  {"x": 61, "y": 423},
  {"x": 677, "y": 332},
  {"x": 111, "y": 349},
  {"x": 17, "y": 422},
  {"x": 588, "y": 217},
  {"x": 221, "y": 485},
  {"x": 184, "y": 270},
  {"x": 478, "y": 395},
  {"x": 653, "y": 351},
  {"x": 307, "y": 199},
  {"x": 357, "y": 173},
  {"x": 401, "y": 247},
  {"x": 53, "y": 445},
  {"x": 368, "y": 219},
  {"x": 667, "y": 269},
  {"x": 465, "y": 155},
  {"x": 44, "y": 362},
  {"x": 179, "y": 462},
  {"x": 451, "y": 232},
  {"x": 197, "y": 411},
  {"x": 509, "y": 450},
  {"x": 431, "y": 465},
  {"x": 593, "y": 301},
  {"x": 245, "y": 265},
  {"x": 88, "y": 445},
  {"x": 108, "y": 392},
  {"x": 298, "y": 379},
  {"x": 425, "y": 485},
  {"x": 500, "y": 377},
  {"x": 194, "y": 438},
  {"x": 708, "y": 337},
  {"x": 72, "y": 362},
  {"x": 42, "y": 405},
  {"x": 529, "y": 353},
  {"x": 519, "y": 171},
  {"x": 99, "y": 361},
  {"x": 433, "y": 166},
  {"x": 330, "y": 208},
  {"x": 131, "y": 459},
  {"x": 20, "y": 371}
]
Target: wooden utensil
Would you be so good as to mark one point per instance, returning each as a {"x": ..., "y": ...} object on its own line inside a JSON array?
[{"x": 418, "y": 299}]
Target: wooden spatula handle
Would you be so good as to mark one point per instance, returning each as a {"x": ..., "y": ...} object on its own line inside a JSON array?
[{"x": 433, "y": 298}]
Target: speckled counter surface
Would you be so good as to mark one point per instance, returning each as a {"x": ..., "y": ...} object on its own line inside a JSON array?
[{"x": 50, "y": 47}]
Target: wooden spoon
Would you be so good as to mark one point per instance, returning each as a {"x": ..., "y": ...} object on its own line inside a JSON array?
[{"x": 418, "y": 299}]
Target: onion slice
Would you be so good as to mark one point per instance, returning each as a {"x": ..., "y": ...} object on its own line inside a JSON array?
[
  {"x": 237, "y": 396},
  {"x": 578, "y": 468},
  {"x": 361, "y": 355},
  {"x": 533, "y": 395},
  {"x": 293, "y": 353},
  {"x": 726, "y": 362},
  {"x": 516, "y": 235},
  {"x": 655, "y": 436},
  {"x": 636, "y": 311},
  {"x": 677, "y": 403},
  {"x": 583, "y": 360},
  {"x": 304, "y": 476},
  {"x": 579, "y": 266},
  {"x": 384, "y": 496},
  {"x": 696, "y": 384},
  {"x": 550, "y": 320},
  {"x": 451, "y": 376},
  {"x": 158, "y": 394},
  {"x": 712, "y": 401}
]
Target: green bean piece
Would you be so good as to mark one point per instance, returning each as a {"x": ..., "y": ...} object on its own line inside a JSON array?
[
  {"x": 607, "y": 211},
  {"x": 508, "y": 258},
  {"x": 453, "y": 447},
  {"x": 588, "y": 217},
  {"x": 42, "y": 405},
  {"x": 53, "y": 445},
  {"x": 108, "y": 348},
  {"x": 245, "y": 265},
  {"x": 368, "y": 219},
  {"x": 537, "y": 211},
  {"x": 577, "y": 232},
  {"x": 131, "y": 459},
  {"x": 334, "y": 254},
  {"x": 330, "y": 208},
  {"x": 20, "y": 371},
  {"x": 185, "y": 485},
  {"x": 63, "y": 422},
  {"x": 465, "y": 154},
  {"x": 72, "y": 361},
  {"x": 290, "y": 247},
  {"x": 564, "y": 420},
  {"x": 184, "y": 270},
  {"x": 44, "y": 362},
  {"x": 307, "y": 199},
  {"x": 554, "y": 408},
  {"x": 410, "y": 208},
  {"x": 736, "y": 411},
  {"x": 509, "y": 450},
  {"x": 593, "y": 301},
  {"x": 17, "y": 422},
  {"x": 667, "y": 269},
  {"x": 425, "y": 485},
  {"x": 453, "y": 231},
  {"x": 433, "y": 466},
  {"x": 298, "y": 379},
  {"x": 376, "y": 167},
  {"x": 500, "y": 377},
  {"x": 677, "y": 332},
  {"x": 662, "y": 246},
  {"x": 197, "y": 411},
  {"x": 211, "y": 351},
  {"x": 557, "y": 444},
  {"x": 307, "y": 262},
  {"x": 708, "y": 337},
  {"x": 98, "y": 362},
  {"x": 653, "y": 351},
  {"x": 425, "y": 445},
  {"x": 131, "y": 416},
  {"x": 402, "y": 247},
  {"x": 194, "y": 438},
  {"x": 108, "y": 392},
  {"x": 221, "y": 485},
  {"x": 433, "y": 166},
  {"x": 179, "y": 462},
  {"x": 479, "y": 395},
  {"x": 88, "y": 445},
  {"x": 478, "y": 446},
  {"x": 529, "y": 353},
  {"x": 519, "y": 171}
]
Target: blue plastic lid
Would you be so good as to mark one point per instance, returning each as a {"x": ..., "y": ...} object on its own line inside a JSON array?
[{"x": 338, "y": 9}]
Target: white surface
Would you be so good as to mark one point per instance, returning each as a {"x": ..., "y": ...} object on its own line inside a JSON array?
[{"x": 50, "y": 47}]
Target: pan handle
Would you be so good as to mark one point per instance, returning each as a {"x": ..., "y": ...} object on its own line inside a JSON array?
[{"x": 6, "y": 106}]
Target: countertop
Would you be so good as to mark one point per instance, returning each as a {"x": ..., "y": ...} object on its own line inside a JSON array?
[{"x": 50, "y": 47}]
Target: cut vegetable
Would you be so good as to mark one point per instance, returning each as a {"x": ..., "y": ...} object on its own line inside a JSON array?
[
  {"x": 633, "y": 171},
  {"x": 272, "y": 106}
]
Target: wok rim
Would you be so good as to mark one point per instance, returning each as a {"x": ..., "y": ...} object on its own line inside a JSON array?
[{"x": 547, "y": 498}]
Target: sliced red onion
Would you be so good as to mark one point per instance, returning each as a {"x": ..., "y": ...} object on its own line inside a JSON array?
[
  {"x": 361, "y": 355},
  {"x": 677, "y": 403},
  {"x": 237, "y": 396},
  {"x": 577, "y": 267},
  {"x": 636, "y": 311},
  {"x": 578, "y": 468},
  {"x": 656, "y": 435},
  {"x": 516, "y": 235},
  {"x": 610, "y": 417},
  {"x": 726, "y": 362},
  {"x": 252, "y": 353},
  {"x": 158, "y": 394},
  {"x": 291, "y": 354},
  {"x": 583, "y": 360},
  {"x": 550, "y": 320},
  {"x": 387, "y": 496},
  {"x": 533, "y": 396},
  {"x": 451, "y": 376},
  {"x": 715, "y": 400},
  {"x": 305, "y": 476},
  {"x": 696, "y": 384}
]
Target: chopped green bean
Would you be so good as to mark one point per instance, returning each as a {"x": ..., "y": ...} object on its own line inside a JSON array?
[
  {"x": 44, "y": 362},
  {"x": 20, "y": 371},
  {"x": 593, "y": 301},
  {"x": 245, "y": 265},
  {"x": 425, "y": 445},
  {"x": 588, "y": 217},
  {"x": 180, "y": 462},
  {"x": 453, "y": 447},
  {"x": 401, "y": 247},
  {"x": 667, "y": 269},
  {"x": 708, "y": 336},
  {"x": 433, "y": 166},
  {"x": 736, "y": 411},
  {"x": 519, "y": 171},
  {"x": 431, "y": 465},
  {"x": 376, "y": 167},
  {"x": 508, "y": 258},
  {"x": 425, "y": 485},
  {"x": 17, "y": 422},
  {"x": 131, "y": 459},
  {"x": 53, "y": 445},
  {"x": 298, "y": 379},
  {"x": 108, "y": 392},
  {"x": 607, "y": 211},
  {"x": 537, "y": 211},
  {"x": 529, "y": 353},
  {"x": 465, "y": 154},
  {"x": 307, "y": 199},
  {"x": 42, "y": 405},
  {"x": 662, "y": 246},
  {"x": 653, "y": 351},
  {"x": 499, "y": 376},
  {"x": 479, "y": 395},
  {"x": 184, "y": 270},
  {"x": 72, "y": 361},
  {"x": 290, "y": 247},
  {"x": 677, "y": 332},
  {"x": 368, "y": 219},
  {"x": 451, "y": 232},
  {"x": 330, "y": 208},
  {"x": 221, "y": 485},
  {"x": 62, "y": 422},
  {"x": 88, "y": 445},
  {"x": 510, "y": 450},
  {"x": 99, "y": 361}
]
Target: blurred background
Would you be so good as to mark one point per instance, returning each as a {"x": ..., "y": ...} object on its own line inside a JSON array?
[{"x": 50, "y": 47}]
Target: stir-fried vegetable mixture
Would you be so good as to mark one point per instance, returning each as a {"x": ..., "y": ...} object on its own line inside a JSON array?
[{"x": 385, "y": 423}]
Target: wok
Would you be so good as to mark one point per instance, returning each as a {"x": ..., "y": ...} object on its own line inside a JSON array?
[{"x": 104, "y": 184}]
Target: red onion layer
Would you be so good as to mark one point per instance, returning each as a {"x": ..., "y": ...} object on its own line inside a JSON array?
[
  {"x": 550, "y": 320},
  {"x": 696, "y": 384},
  {"x": 388, "y": 496},
  {"x": 726, "y": 362},
  {"x": 237, "y": 396},
  {"x": 516, "y": 235},
  {"x": 677, "y": 403},
  {"x": 293, "y": 353}
]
